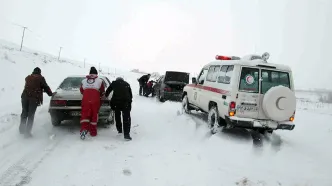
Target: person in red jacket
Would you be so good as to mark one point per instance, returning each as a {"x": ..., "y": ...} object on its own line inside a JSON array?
[
  {"x": 149, "y": 89},
  {"x": 93, "y": 89}
]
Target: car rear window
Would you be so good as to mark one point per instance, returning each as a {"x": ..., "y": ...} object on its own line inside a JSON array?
[
  {"x": 272, "y": 78},
  {"x": 71, "y": 83},
  {"x": 177, "y": 76},
  {"x": 249, "y": 80}
]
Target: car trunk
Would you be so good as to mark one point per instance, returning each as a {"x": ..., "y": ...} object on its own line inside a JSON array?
[
  {"x": 177, "y": 76},
  {"x": 73, "y": 97},
  {"x": 71, "y": 94},
  {"x": 176, "y": 81},
  {"x": 174, "y": 86}
]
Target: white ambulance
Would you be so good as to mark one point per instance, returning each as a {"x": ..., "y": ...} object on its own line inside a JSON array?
[{"x": 243, "y": 92}]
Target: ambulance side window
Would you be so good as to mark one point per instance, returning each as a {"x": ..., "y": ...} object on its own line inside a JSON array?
[
  {"x": 213, "y": 73},
  {"x": 202, "y": 76},
  {"x": 225, "y": 74}
]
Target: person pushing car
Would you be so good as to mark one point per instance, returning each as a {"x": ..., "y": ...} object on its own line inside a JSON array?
[
  {"x": 121, "y": 102},
  {"x": 92, "y": 89},
  {"x": 31, "y": 98},
  {"x": 142, "y": 83}
]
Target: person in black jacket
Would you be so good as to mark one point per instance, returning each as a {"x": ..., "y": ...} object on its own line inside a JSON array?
[
  {"x": 121, "y": 102},
  {"x": 142, "y": 83}
]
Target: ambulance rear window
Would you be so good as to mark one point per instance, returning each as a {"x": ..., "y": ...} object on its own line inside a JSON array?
[
  {"x": 249, "y": 80},
  {"x": 271, "y": 78}
]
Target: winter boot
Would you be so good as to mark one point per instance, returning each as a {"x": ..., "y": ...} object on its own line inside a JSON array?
[
  {"x": 21, "y": 130},
  {"x": 27, "y": 135},
  {"x": 83, "y": 134},
  {"x": 127, "y": 137}
]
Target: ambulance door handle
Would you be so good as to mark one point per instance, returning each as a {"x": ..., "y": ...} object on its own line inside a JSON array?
[{"x": 223, "y": 96}]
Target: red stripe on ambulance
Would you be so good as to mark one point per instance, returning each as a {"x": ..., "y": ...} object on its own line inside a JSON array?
[{"x": 211, "y": 89}]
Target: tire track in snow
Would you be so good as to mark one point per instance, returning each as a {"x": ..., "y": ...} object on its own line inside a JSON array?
[
  {"x": 6, "y": 119},
  {"x": 19, "y": 173},
  {"x": 40, "y": 118},
  {"x": 14, "y": 141},
  {"x": 13, "y": 119}
]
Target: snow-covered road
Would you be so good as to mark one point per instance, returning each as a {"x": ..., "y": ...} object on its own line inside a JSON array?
[{"x": 167, "y": 149}]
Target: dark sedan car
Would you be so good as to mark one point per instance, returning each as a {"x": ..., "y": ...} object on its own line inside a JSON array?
[{"x": 170, "y": 86}]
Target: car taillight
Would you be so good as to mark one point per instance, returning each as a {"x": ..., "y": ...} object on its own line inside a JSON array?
[
  {"x": 59, "y": 102},
  {"x": 292, "y": 117},
  {"x": 232, "y": 106},
  {"x": 167, "y": 89}
]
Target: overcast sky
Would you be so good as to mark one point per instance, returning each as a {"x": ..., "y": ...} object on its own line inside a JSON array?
[{"x": 156, "y": 35}]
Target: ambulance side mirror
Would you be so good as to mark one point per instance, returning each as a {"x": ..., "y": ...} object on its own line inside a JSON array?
[{"x": 194, "y": 80}]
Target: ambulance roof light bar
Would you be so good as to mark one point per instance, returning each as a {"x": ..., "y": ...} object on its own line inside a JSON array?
[{"x": 218, "y": 57}]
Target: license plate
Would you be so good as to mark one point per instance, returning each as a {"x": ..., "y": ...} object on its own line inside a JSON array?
[
  {"x": 77, "y": 113},
  {"x": 269, "y": 124}
]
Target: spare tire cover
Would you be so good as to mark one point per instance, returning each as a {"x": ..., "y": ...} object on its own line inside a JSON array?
[{"x": 279, "y": 103}]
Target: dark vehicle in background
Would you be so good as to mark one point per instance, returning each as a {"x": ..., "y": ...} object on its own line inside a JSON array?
[
  {"x": 66, "y": 102},
  {"x": 170, "y": 86}
]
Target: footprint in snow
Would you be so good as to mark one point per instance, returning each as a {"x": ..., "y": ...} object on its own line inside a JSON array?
[
  {"x": 52, "y": 136},
  {"x": 126, "y": 172},
  {"x": 111, "y": 147},
  {"x": 243, "y": 182},
  {"x": 178, "y": 113}
]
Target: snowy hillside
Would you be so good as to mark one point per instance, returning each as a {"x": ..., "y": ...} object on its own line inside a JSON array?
[
  {"x": 16, "y": 65},
  {"x": 168, "y": 148}
]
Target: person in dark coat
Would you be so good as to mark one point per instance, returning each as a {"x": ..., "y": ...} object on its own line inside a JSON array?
[
  {"x": 31, "y": 98},
  {"x": 121, "y": 102},
  {"x": 142, "y": 83}
]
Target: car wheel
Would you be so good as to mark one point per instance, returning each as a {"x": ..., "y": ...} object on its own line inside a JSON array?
[
  {"x": 214, "y": 120},
  {"x": 105, "y": 123},
  {"x": 111, "y": 118},
  {"x": 55, "y": 121},
  {"x": 161, "y": 99},
  {"x": 185, "y": 105}
]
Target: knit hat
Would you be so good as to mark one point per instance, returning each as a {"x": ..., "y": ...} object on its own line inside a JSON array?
[
  {"x": 93, "y": 70},
  {"x": 36, "y": 71}
]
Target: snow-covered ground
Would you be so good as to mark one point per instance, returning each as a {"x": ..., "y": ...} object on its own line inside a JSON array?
[
  {"x": 310, "y": 101},
  {"x": 168, "y": 148}
]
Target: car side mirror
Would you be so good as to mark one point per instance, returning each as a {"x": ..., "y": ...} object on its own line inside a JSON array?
[{"x": 194, "y": 80}]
